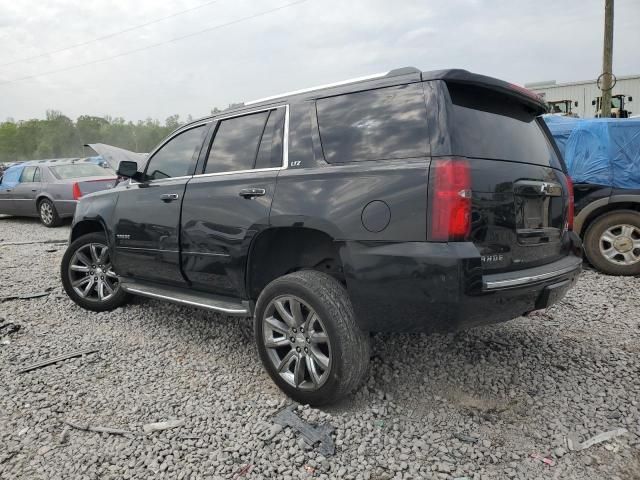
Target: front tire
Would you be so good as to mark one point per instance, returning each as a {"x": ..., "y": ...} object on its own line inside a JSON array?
[
  {"x": 87, "y": 275},
  {"x": 612, "y": 243},
  {"x": 48, "y": 214},
  {"x": 308, "y": 339}
]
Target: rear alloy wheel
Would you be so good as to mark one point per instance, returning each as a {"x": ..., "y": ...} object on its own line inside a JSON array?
[
  {"x": 612, "y": 243},
  {"x": 88, "y": 277},
  {"x": 48, "y": 214},
  {"x": 308, "y": 338}
]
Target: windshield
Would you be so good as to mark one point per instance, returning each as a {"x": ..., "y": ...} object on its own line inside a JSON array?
[
  {"x": 615, "y": 102},
  {"x": 79, "y": 170}
]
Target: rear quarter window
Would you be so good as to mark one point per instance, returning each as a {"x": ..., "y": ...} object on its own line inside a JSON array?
[
  {"x": 487, "y": 124},
  {"x": 386, "y": 123}
]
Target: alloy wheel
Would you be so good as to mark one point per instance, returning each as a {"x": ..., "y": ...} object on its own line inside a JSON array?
[
  {"x": 46, "y": 212},
  {"x": 91, "y": 274},
  {"x": 297, "y": 342},
  {"x": 620, "y": 244}
]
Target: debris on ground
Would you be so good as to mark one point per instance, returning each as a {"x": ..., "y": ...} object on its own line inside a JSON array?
[
  {"x": 312, "y": 435},
  {"x": 159, "y": 426},
  {"x": 466, "y": 438},
  {"x": 269, "y": 433},
  {"x": 26, "y": 296},
  {"x": 543, "y": 459},
  {"x": 8, "y": 328},
  {"x": 51, "y": 361},
  {"x": 243, "y": 471},
  {"x": 574, "y": 444},
  {"x": 98, "y": 429}
]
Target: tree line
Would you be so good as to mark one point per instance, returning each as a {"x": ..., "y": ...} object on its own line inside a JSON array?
[{"x": 57, "y": 136}]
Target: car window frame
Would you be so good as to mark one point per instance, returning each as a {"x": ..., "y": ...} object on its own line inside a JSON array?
[
  {"x": 285, "y": 142},
  {"x": 206, "y": 124}
]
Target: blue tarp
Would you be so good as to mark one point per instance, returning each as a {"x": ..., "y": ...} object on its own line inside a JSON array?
[
  {"x": 11, "y": 177},
  {"x": 602, "y": 151}
]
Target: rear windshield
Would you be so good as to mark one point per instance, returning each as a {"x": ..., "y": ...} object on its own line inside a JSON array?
[
  {"x": 79, "y": 170},
  {"x": 487, "y": 124}
]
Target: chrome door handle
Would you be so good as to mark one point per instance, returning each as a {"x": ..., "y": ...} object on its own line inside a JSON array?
[
  {"x": 169, "y": 197},
  {"x": 252, "y": 192}
]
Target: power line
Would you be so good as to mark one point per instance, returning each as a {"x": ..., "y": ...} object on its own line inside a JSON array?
[
  {"x": 110, "y": 35},
  {"x": 148, "y": 47}
]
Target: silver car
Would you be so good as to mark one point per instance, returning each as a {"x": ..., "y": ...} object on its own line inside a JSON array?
[{"x": 50, "y": 189}]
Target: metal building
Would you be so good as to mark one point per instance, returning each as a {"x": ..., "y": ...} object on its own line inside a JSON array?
[{"x": 585, "y": 92}]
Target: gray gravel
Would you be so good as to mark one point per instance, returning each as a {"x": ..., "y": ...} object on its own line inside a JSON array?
[{"x": 476, "y": 404}]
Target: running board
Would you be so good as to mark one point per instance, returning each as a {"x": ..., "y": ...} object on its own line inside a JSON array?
[{"x": 207, "y": 301}]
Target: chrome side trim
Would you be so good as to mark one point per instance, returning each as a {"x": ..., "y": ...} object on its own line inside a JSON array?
[
  {"x": 145, "y": 293},
  {"x": 123, "y": 247},
  {"x": 319, "y": 87},
  {"x": 207, "y": 254},
  {"x": 490, "y": 285}
]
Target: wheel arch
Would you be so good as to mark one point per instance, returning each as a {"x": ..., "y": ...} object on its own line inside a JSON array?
[
  {"x": 277, "y": 251},
  {"x": 87, "y": 226},
  {"x": 619, "y": 202}
]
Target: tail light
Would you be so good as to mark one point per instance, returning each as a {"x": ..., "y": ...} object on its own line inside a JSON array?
[
  {"x": 76, "y": 191},
  {"x": 571, "y": 207},
  {"x": 449, "y": 200}
]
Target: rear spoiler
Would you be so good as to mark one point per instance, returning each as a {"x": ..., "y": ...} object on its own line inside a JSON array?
[{"x": 465, "y": 77}]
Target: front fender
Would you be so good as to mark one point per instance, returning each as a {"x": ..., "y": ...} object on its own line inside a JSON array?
[{"x": 95, "y": 210}]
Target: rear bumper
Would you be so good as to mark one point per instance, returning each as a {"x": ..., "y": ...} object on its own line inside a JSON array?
[
  {"x": 426, "y": 287},
  {"x": 65, "y": 208}
]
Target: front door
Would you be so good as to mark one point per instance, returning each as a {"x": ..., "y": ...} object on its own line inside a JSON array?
[
  {"x": 228, "y": 204},
  {"x": 10, "y": 179},
  {"x": 25, "y": 192},
  {"x": 147, "y": 216}
]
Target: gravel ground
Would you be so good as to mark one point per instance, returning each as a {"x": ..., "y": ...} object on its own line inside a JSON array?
[{"x": 518, "y": 388}]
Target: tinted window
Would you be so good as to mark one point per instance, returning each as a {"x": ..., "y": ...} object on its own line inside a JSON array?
[
  {"x": 270, "y": 151},
  {"x": 374, "y": 125},
  {"x": 235, "y": 144},
  {"x": 177, "y": 157},
  {"x": 27, "y": 174},
  {"x": 78, "y": 170},
  {"x": 486, "y": 124}
]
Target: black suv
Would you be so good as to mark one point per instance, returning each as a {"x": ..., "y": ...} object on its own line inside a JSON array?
[{"x": 406, "y": 202}]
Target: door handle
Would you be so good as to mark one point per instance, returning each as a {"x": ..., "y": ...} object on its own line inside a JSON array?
[
  {"x": 252, "y": 192},
  {"x": 34, "y": 189},
  {"x": 169, "y": 197}
]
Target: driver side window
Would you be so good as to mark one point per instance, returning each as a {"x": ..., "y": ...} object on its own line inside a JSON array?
[{"x": 177, "y": 157}]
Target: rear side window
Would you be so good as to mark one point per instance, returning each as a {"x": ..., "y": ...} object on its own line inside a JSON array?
[
  {"x": 27, "y": 174},
  {"x": 236, "y": 142},
  {"x": 387, "y": 123},
  {"x": 177, "y": 157},
  {"x": 487, "y": 124},
  {"x": 270, "y": 151}
]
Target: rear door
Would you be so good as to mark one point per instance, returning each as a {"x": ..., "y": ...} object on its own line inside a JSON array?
[
  {"x": 520, "y": 190},
  {"x": 25, "y": 192},
  {"x": 147, "y": 216},
  {"x": 228, "y": 204}
]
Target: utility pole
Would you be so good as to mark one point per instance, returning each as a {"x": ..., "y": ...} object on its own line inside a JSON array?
[{"x": 607, "y": 60}]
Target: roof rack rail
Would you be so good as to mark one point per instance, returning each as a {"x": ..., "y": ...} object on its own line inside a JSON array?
[{"x": 392, "y": 73}]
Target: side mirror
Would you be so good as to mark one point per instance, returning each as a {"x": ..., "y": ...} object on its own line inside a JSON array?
[
  {"x": 127, "y": 169},
  {"x": 630, "y": 99},
  {"x": 575, "y": 104},
  {"x": 593, "y": 102}
]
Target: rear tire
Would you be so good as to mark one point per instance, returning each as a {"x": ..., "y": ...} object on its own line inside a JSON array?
[
  {"x": 87, "y": 275},
  {"x": 328, "y": 357},
  {"x": 612, "y": 243},
  {"x": 48, "y": 213}
]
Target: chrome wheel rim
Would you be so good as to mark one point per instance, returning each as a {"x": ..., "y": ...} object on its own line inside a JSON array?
[
  {"x": 46, "y": 212},
  {"x": 620, "y": 244},
  {"x": 297, "y": 342},
  {"x": 91, "y": 274}
]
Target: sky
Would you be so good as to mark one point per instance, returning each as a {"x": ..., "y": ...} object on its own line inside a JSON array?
[{"x": 247, "y": 49}]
